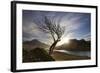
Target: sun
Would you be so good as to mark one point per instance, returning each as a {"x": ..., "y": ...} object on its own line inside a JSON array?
[{"x": 63, "y": 40}]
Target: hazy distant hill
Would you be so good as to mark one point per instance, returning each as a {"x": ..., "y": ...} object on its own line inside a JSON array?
[
  {"x": 28, "y": 45},
  {"x": 76, "y": 45}
]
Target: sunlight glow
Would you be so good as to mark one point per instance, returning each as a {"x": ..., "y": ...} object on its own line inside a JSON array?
[{"x": 63, "y": 40}]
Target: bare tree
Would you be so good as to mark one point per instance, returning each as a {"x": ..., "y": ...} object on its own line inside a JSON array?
[{"x": 52, "y": 26}]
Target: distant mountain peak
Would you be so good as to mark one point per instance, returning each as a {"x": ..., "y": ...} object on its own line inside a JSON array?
[
  {"x": 34, "y": 44},
  {"x": 34, "y": 40}
]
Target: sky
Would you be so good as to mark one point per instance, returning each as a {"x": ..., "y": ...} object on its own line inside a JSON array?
[{"x": 77, "y": 25}]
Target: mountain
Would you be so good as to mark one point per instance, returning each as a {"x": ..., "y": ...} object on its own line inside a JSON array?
[
  {"x": 76, "y": 45},
  {"x": 29, "y": 45}
]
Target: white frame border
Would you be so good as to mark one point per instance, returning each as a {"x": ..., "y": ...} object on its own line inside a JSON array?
[{"x": 21, "y": 65}]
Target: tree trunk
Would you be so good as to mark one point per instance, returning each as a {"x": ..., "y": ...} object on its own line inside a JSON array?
[{"x": 52, "y": 47}]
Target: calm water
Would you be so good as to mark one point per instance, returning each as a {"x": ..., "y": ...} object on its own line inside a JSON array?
[{"x": 77, "y": 53}]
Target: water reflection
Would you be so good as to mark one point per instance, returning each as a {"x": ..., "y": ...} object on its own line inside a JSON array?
[{"x": 77, "y": 53}]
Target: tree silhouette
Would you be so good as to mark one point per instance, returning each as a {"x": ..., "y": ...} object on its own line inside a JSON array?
[{"x": 52, "y": 26}]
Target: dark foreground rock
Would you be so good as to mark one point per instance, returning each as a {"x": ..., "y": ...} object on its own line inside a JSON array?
[{"x": 36, "y": 55}]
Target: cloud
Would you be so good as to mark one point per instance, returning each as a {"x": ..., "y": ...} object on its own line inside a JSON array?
[
  {"x": 33, "y": 19},
  {"x": 71, "y": 23},
  {"x": 87, "y": 36}
]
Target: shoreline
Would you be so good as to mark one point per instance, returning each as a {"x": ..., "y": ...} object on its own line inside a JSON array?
[{"x": 59, "y": 56}]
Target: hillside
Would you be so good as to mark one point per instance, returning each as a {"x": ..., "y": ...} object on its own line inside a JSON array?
[
  {"x": 75, "y": 45},
  {"x": 36, "y": 55},
  {"x": 29, "y": 45}
]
